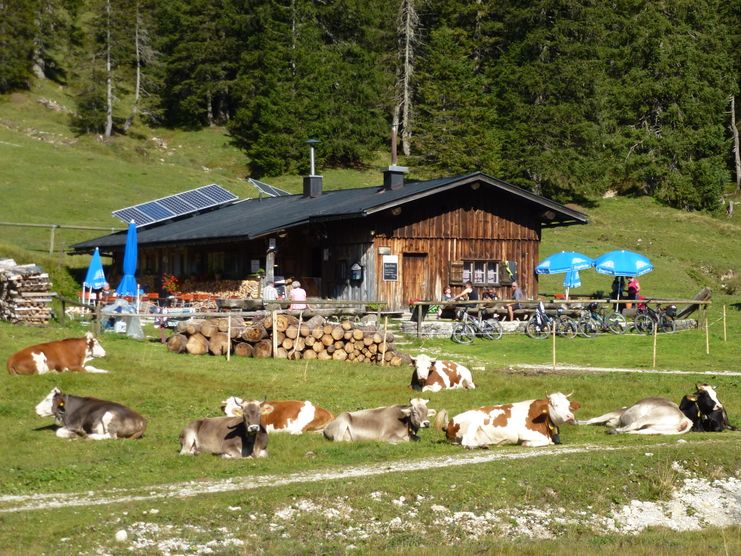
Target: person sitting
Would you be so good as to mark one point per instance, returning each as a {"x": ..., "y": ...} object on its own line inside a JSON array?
[
  {"x": 446, "y": 310},
  {"x": 518, "y": 296},
  {"x": 468, "y": 294},
  {"x": 297, "y": 296},
  {"x": 270, "y": 293}
]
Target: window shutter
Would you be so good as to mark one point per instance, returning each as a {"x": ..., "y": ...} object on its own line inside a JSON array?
[{"x": 456, "y": 273}]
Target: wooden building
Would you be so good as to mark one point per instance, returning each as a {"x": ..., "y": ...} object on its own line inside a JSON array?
[{"x": 396, "y": 242}]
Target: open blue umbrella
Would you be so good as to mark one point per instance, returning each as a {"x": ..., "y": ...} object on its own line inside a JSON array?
[
  {"x": 568, "y": 262},
  {"x": 564, "y": 261},
  {"x": 95, "y": 277},
  {"x": 623, "y": 263},
  {"x": 128, "y": 285}
]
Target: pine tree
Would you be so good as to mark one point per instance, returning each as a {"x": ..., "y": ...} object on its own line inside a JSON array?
[{"x": 16, "y": 44}]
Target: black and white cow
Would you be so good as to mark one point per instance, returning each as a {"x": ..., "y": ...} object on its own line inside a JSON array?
[
  {"x": 90, "y": 417},
  {"x": 705, "y": 411}
]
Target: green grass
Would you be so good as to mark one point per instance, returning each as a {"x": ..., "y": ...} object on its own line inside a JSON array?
[{"x": 172, "y": 389}]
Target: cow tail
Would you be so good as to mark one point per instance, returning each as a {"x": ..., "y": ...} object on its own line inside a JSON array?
[
  {"x": 11, "y": 367},
  {"x": 441, "y": 421}
]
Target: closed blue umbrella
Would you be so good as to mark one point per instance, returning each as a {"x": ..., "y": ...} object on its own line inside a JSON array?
[
  {"x": 95, "y": 277},
  {"x": 128, "y": 285},
  {"x": 623, "y": 263}
]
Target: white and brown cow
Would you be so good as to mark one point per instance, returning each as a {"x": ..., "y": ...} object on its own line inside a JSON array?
[
  {"x": 231, "y": 437},
  {"x": 396, "y": 423},
  {"x": 291, "y": 416},
  {"x": 69, "y": 354},
  {"x": 529, "y": 423},
  {"x": 90, "y": 417},
  {"x": 432, "y": 376},
  {"x": 647, "y": 416}
]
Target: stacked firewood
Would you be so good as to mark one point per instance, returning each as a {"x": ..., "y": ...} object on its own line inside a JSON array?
[
  {"x": 294, "y": 339},
  {"x": 25, "y": 293},
  {"x": 237, "y": 289}
]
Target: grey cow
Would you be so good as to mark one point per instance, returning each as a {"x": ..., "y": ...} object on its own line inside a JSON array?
[
  {"x": 90, "y": 417},
  {"x": 647, "y": 416},
  {"x": 396, "y": 423},
  {"x": 230, "y": 437}
]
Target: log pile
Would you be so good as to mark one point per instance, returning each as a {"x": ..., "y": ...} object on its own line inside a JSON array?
[
  {"x": 291, "y": 338},
  {"x": 230, "y": 289},
  {"x": 25, "y": 293}
]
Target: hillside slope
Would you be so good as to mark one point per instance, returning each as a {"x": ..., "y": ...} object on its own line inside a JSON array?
[{"x": 54, "y": 177}]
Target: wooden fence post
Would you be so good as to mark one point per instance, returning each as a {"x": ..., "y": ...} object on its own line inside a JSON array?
[
  {"x": 707, "y": 337},
  {"x": 383, "y": 347},
  {"x": 275, "y": 336},
  {"x": 656, "y": 334},
  {"x": 725, "y": 328},
  {"x": 229, "y": 339},
  {"x": 553, "y": 334}
]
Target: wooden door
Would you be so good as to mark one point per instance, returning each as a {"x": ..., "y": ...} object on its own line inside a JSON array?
[{"x": 415, "y": 276}]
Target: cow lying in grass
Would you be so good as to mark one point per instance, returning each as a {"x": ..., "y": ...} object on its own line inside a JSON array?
[
  {"x": 291, "y": 416},
  {"x": 229, "y": 437},
  {"x": 529, "y": 423},
  {"x": 433, "y": 376},
  {"x": 70, "y": 354},
  {"x": 396, "y": 423},
  {"x": 648, "y": 416},
  {"x": 90, "y": 417},
  {"x": 705, "y": 411}
]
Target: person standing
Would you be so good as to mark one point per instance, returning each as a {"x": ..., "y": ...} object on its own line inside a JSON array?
[
  {"x": 297, "y": 296},
  {"x": 518, "y": 296},
  {"x": 634, "y": 290}
]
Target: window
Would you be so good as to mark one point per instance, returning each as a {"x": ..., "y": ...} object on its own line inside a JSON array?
[{"x": 480, "y": 272}]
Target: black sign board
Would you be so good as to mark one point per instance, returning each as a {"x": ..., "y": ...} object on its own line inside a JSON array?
[{"x": 391, "y": 271}]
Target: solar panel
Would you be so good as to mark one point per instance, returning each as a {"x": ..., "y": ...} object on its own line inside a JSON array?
[
  {"x": 180, "y": 204},
  {"x": 267, "y": 189}
]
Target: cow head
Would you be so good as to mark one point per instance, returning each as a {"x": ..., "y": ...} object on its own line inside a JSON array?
[
  {"x": 251, "y": 411},
  {"x": 418, "y": 414},
  {"x": 707, "y": 398},
  {"x": 94, "y": 349},
  {"x": 561, "y": 409},
  {"x": 232, "y": 406},
  {"x": 45, "y": 408},
  {"x": 423, "y": 363}
]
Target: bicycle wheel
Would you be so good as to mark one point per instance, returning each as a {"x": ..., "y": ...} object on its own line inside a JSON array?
[
  {"x": 587, "y": 328},
  {"x": 566, "y": 327},
  {"x": 644, "y": 324},
  {"x": 667, "y": 325},
  {"x": 536, "y": 331},
  {"x": 463, "y": 333},
  {"x": 496, "y": 328},
  {"x": 617, "y": 323}
]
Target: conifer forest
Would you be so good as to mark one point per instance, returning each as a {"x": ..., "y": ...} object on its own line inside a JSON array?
[{"x": 568, "y": 98}]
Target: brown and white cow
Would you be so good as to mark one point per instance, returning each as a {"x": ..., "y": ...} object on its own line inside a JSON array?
[
  {"x": 69, "y": 354},
  {"x": 432, "y": 376},
  {"x": 291, "y": 416},
  {"x": 396, "y": 423},
  {"x": 230, "y": 437},
  {"x": 647, "y": 416},
  {"x": 90, "y": 417},
  {"x": 529, "y": 423}
]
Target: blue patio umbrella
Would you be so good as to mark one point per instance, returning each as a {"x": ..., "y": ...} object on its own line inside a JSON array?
[
  {"x": 95, "y": 277},
  {"x": 623, "y": 263},
  {"x": 568, "y": 262},
  {"x": 128, "y": 285}
]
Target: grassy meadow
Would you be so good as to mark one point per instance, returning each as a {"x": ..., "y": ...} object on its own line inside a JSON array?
[{"x": 57, "y": 177}]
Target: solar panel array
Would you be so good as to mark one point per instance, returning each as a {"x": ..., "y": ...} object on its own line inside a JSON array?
[
  {"x": 268, "y": 189},
  {"x": 176, "y": 205}
]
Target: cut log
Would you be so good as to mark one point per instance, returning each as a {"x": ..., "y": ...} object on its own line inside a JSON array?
[
  {"x": 315, "y": 321},
  {"x": 254, "y": 333},
  {"x": 339, "y": 355},
  {"x": 346, "y": 325},
  {"x": 318, "y": 347},
  {"x": 299, "y": 344},
  {"x": 193, "y": 326},
  {"x": 281, "y": 353},
  {"x": 209, "y": 328},
  {"x": 287, "y": 343},
  {"x": 219, "y": 344},
  {"x": 294, "y": 355},
  {"x": 357, "y": 334},
  {"x": 310, "y": 354},
  {"x": 304, "y": 331},
  {"x": 177, "y": 343},
  {"x": 317, "y": 332},
  {"x": 244, "y": 349},
  {"x": 337, "y": 333},
  {"x": 264, "y": 348},
  {"x": 292, "y": 332},
  {"x": 197, "y": 344},
  {"x": 309, "y": 341},
  {"x": 323, "y": 356},
  {"x": 327, "y": 340}
]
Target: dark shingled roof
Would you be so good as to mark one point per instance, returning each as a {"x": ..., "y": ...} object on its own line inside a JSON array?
[{"x": 253, "y": 218}]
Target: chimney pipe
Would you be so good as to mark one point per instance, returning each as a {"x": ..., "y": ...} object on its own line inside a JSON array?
[
  {"x": 312, "y": 182},
  {"x": 393, "y": 176},
  {"x": 393, "y": 144}
]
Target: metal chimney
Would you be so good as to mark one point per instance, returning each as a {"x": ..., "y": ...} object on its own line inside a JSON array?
[
  {"x": 393, "y": 176},
  {"x": 312, "y": 182}
]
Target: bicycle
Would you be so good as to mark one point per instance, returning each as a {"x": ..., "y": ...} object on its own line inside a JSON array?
[
  {"x": 594, "y": 321},
  {"x": 465, "y": 331},
  {"x": 661, "y": 318},
  {"x": 540, "y": 324}
]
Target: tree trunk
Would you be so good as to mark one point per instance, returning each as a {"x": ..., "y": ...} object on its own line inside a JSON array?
[
  {"x": 407, "y": 27},
  {"x": 109, "y": 73},
  {"x": 197, "y": 344},
  {"x": 736, "y": 144},
  {"x": 219, "y": 344},
  {"x": 137, "y": 85},
  {"x": 243, "y": 349}
]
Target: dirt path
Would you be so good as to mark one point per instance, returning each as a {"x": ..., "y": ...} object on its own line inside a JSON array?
[
  {"x": 580, "y": 369},
  {"x": 24, "y": 503}
]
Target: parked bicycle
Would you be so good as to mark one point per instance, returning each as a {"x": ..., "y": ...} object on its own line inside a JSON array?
[
  {"x": 541, "y": 323},
  {"x": 594, "y": 320},
  {"x": 662, "y": 318},
  {"x": 470, "y": 326}
]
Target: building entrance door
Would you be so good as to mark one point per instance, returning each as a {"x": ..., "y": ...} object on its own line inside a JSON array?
[{"x": 415, "y": 273}]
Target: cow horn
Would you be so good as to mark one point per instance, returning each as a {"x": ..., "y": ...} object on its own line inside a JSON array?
[{"x": 570, "y": 394}]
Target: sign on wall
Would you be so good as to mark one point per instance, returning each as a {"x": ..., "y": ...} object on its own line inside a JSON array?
[{"x": 390, "y": 268}]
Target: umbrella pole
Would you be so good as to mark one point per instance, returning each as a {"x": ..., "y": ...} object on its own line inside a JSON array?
[{"x": 567, "y": 294}]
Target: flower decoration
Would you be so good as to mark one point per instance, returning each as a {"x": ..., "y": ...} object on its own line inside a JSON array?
[{"x": 170, "y": 283}]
